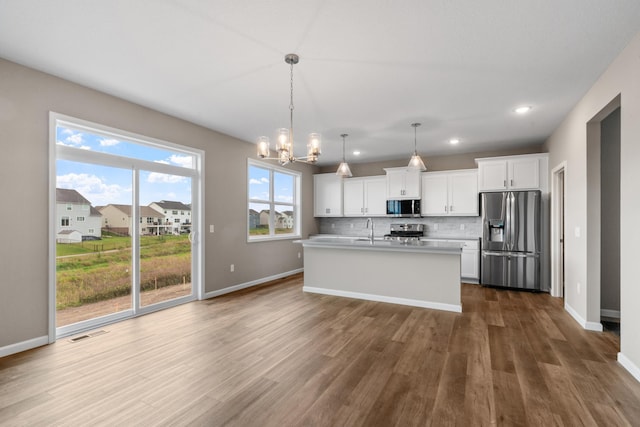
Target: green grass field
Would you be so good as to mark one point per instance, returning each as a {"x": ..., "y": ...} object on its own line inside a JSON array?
[{"x": 101, "y": 269}]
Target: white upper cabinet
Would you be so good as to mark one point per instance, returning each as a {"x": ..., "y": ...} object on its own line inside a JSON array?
[
  {"x": 403, "y": 183},
  {"x": 452, "y": 193},
  {"x": 526, "y": 172},
  {"x": 327, "y": 195},
  {"x": 365, "y": 196}
]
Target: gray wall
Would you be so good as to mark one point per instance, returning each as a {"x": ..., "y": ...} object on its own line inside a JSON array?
[
  {"x": 26, "y": 97},
  {"x": 433, "y": 163},
  {"x": 610, "y": 212},
  {"x": 569, "y": 143}
]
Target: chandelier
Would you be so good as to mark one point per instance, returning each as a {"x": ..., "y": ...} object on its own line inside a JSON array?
[
  {"x": 284, "y": 142},
  {"x": 416, "y": 162}
]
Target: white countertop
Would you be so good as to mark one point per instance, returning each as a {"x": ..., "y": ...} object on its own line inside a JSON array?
[{"x": 363, "y": 243}]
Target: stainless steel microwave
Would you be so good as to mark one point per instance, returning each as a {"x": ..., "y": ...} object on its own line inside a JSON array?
[{"x": 403, "y": 208}]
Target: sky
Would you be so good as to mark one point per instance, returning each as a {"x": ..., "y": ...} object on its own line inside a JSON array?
[{"x": 102, "y": 185}]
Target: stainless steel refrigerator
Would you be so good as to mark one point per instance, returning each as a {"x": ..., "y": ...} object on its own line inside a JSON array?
[{"x": 511, "y": 239}]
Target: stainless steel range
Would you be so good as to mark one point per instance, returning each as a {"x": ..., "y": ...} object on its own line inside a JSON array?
[{"x": 405, "y": 232}]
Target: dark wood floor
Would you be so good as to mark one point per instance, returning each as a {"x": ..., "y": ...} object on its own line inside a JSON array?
[{"x": 275, "y": 356}]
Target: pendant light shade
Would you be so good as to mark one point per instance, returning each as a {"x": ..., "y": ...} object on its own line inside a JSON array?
[
  {"x": 416, "y": 162},
  {"x": 344, "y": 170}
]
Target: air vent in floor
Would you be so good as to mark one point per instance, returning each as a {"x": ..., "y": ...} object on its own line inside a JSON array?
[{"x": 89, "y": 335}]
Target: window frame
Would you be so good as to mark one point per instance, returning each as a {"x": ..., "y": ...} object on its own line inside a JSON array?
[{"x": 296, "y": 205}]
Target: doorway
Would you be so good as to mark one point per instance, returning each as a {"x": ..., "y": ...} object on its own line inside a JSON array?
[
  {"x": 557, "y": 232},
  {"x": 124, "y": 223}
]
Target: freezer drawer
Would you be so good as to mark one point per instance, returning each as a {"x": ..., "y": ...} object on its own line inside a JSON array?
[{"x": 511, "y": 270}]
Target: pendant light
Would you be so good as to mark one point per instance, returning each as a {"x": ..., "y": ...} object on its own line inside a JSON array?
[
  {"x": 284, "y": 143},
  {"x": 344, "y": 170},
  {"x": 416, "y": 162}
]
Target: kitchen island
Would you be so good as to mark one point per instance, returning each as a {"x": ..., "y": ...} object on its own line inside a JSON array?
[{"x": 421, "y": 273}]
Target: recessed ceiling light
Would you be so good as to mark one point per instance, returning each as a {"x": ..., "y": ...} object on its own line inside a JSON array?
[
  {"x": 523, "y": 110},
  {"x": 356, "y": 153},
  {"x": 454, "y": 141}
]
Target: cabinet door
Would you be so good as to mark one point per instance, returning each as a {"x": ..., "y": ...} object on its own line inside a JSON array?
[
  {"x": 492, "y": 175},
  {"x": 375, "y": 196},
  {"x": 463, "y": 194},
  {"x": 395, "y": 184},
  {"x": 353, "y": 197},
  {"x": 469, "y": 263},
  {"x": 412, "y": 181},
  {"x": 524, "y": 174},
  {"x": 327, "y": 195},
  {"x": 434, "y": 194}
]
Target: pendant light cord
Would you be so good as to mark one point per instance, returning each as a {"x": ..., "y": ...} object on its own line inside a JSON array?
[{"x": 291, "y": 111}]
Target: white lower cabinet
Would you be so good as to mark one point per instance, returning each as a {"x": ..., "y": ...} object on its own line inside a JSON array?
[{"x": 469, "y": 260}]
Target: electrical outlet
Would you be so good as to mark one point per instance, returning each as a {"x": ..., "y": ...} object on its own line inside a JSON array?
[
  {"x": 333, "y": 225},
  {"x": 232, "y": 268},
  {"x": 578, "y": 288},
  {"x": 576, "y": 231},
  {"x": 435, "y": 227},
  {"x": 211, "y": 228},
  {"x": 351, "y": 225},
  {"x": 461, "y": 226},
  {"x": 299, "y": 255}
]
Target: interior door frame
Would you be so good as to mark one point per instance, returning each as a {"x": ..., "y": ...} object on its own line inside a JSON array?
[
  {"x": 197, "y": 196},
  {"x": 558, "y": 188}
]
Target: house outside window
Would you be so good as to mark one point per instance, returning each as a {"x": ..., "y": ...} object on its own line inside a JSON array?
[
  {"x": 273, "y": 202},
  {"x": 80, "y": 218},
  {"x": 64, "y": 221},
  {"x": 69, "y": 207}
]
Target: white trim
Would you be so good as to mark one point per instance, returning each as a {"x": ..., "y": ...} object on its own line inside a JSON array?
[
  {"x": 23, "y": 346},
  {"x": 589, "y": 326},
  {"x": 629, "y": 366},
  {"x": 614, "y": 314},
  {"x": 556, "y": 273},
  {"x": 245, "y": 285},
  {"x": 381, "y": 298}
]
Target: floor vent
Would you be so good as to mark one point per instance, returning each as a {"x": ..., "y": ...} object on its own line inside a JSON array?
[{"x": 89, "y": 335}]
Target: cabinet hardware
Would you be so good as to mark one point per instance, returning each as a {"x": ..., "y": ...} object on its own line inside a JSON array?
[
  {"x": 504, "y": 183},
  {"x": 512, "y": 183}
]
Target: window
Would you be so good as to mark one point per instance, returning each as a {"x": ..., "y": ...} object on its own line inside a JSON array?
[
  {"x": 91, "y": 231},
  {"x": 80, "y": 218},
  {"x": 177, "y": 220},
  {"x": 69, "y": 207},
  {"x": 174, "y": 212},
  {"x": 149, "y": 220},
  {"x": 273, "y": 202},
  {"x": 65, "y": 221}
]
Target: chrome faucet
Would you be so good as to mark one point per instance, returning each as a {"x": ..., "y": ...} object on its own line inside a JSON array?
[{"x": 370, "y": 221}]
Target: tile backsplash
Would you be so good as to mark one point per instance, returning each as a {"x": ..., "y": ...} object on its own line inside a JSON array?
[{"x": 437, "y": 227}]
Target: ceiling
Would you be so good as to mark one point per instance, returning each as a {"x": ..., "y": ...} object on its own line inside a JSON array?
[{"x": 368, "y": 68}]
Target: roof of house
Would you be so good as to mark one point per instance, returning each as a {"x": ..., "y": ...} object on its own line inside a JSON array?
[
  {"x": 67, "y": 195},
  {"x": 145, "y": 211},
  {"x": 170, "y": 204},
  {"x": 65, "y": 232}
]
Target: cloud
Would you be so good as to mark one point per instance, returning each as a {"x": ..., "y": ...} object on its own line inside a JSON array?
[
  {"x": 109, "y": 142},
  {"x": 67, "y": 131},
  {"x": 163, "y": 178},
  {"x": 82, "y": 147},
  {"x": 94, "y": 189},
  {"x": 164, "y": 162},
  {"x": 184, "y": 161},
  {"x": 74, "y": 139},
  {"x": 255, "y": 181}
]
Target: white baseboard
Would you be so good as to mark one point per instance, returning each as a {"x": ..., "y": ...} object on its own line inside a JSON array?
[
  {"x": 245, "y": 285},
  {"x": 23, "y": 346},
  {"x": 629, "y": 366},
  {"x": 589, "y": 326},
  {"x": 380, "y": 298},
  {"x": 614, "y": 314}
]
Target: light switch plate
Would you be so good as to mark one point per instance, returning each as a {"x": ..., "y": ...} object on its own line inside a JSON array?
[{"x": 576, "y": 231}]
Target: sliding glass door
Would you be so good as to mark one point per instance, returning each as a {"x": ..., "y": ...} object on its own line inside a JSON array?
[{"x": 124, "y": 225}]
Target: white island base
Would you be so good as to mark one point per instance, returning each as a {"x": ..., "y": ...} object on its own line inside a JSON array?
[{"x": 426, "y": 276}]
